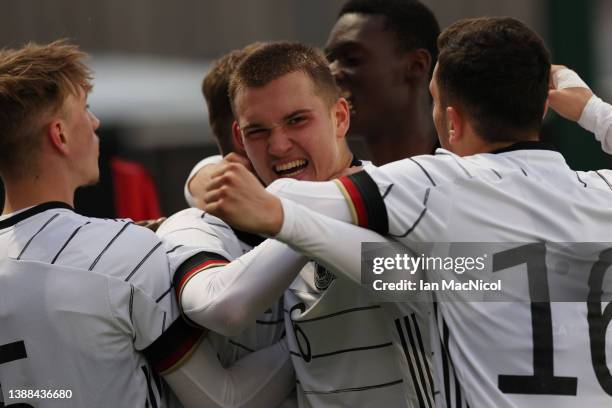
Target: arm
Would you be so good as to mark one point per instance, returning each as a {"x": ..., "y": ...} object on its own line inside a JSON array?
[
  {"x": 571, "y": 98},
  {"x": 228, "y": 298},
  {"x": 261, "y": 379}
]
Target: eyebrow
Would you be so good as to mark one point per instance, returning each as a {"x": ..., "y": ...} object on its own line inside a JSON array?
[{"x": 251, "y": 126}]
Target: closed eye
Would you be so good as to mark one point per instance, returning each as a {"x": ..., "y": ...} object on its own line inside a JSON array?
[{"x": 297, "y": 120}]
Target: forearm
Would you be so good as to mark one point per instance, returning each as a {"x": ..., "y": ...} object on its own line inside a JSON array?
[
  {"x": 261, "y": 379},
  {"x": 597, "y": 118},
  {"x": 333, "y": 243},
  {"x": 227, "y": 299}
]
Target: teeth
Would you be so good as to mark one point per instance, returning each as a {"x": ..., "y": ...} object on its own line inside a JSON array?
[{"x": 289, "y": 165}]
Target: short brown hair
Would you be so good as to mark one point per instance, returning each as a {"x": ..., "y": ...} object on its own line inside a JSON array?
[
  {"x": 34, "y": 81},
  {"x": 274, "y": 60},
  {"x": 215, "y": 88},
  {"x": 498, "y": 68}
]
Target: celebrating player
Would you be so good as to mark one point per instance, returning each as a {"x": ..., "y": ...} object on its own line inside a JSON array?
[
  {"x": 87, "y": 310},
  {"x": 493, "y": 181},
  {"x": 291, "y": 121}
]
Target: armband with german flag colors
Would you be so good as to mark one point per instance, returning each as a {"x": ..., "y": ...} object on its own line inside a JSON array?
[{"x": 367, "y": 206}]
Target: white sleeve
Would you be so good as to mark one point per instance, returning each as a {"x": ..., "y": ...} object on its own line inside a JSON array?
[
  {"x": 334, "y": 244},
  {"x": 209, "y": 160},
  {"x": 596, "y": 117},
  {"x": 261, "y": 379},
  {"x": 228, "y": 298}
]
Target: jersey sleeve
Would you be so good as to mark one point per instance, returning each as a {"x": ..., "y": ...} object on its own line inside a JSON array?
[
  {"x": 204, "y": 162},
  {"x": 596, "y": 117},
  {"x": 144, "y": 305}
]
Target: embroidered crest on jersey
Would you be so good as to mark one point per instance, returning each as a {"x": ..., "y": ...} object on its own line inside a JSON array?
[{"x": 323, "y": 278}]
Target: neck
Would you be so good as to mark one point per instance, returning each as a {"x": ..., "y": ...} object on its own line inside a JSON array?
[
  {"x": 409, "y": 132},
  {"x": 344, "y": 162},
  {"x": 33, "y": 190}
]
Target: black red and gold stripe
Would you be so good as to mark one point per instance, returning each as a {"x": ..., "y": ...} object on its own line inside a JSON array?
[
  {"x": 367, "y": 206},
  {"x": 194, "y": 265},
  {"x": 173, "y": 347}
]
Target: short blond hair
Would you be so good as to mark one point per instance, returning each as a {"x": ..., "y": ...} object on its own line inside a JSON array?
[{"x": 34, "y": 82}]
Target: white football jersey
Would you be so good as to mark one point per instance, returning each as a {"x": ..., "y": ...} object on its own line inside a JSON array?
[
  {"x": 194, "y": 241},
  {"x": 82, "y": 302},
  {"x": 502, "y": 354},
  {"x": 350, "y": 350}
]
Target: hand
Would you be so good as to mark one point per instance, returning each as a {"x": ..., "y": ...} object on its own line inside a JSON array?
[
  {"x": 568, "y": 102},
  {"x": 197, "y": 184},
  {"x": 236, "y": 196},
  {"x": 153, "y": 225}
]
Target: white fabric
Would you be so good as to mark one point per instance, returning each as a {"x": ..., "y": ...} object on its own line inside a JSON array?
[
  {"x": 257, "y": 327},
  {"x": 208, "y": 160},
  {"x": 87, "y": 315},
  {"x": 596, "y": 117},
  {"x": 567, "y": 78},
  {"x": 531, "y": 195}
]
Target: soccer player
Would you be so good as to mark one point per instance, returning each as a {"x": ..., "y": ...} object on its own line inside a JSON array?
[
  {"x": 87, "y": 311},
  {"x": 292, "y": 121},
  {"x": 493, "y": 181},
  {"x": 197, "y": 242},
  {"x": 382, "y": 53}
]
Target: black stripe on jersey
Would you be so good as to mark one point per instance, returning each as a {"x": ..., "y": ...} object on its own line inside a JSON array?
[
  {"x": 419, "y": 218},
  {"x": 242, "y": 346},
  {"x": 173, "y": 346},
  {"x": 10, "y": 221},
  {"x": 604, "y": 179},
  {"x": 428, "y": 369},
  {"x": 411, "y": 365},
  {"x": 12, "y": 351},
  {"x": 349, "y": 350},
  {"x": 163, "y": 295},
  {"x": 524, "y": 172},
  {"x": 353, "y": 389},
  {"x": 424, "y": 171},
  {"x": 387, "y": 191},
  {"x": 143, "y": 261},
  {"x": 270, "y": 322},
  {"x": 580, "y": 180},
  {"x": 174, "y": 249},
  {"x": 248, "y": 238},
  {"x": 131, "y": 308},
  {"x": 420, "y": 359},
  {"x": 93, "y": 264},
  {"x": 68, "y": 241},
  {"x": 152, "y": 397},
  {"x": 496, "y": 173},
  {"x": 37, "y": 232},
  {"x": 357, "y": 309}
]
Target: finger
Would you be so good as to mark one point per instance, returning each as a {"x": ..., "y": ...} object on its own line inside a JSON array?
[{"x": 238, "y": 158}]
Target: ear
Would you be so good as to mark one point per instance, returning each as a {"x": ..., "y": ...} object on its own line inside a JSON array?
[
  {"x": 417, "y": 64},
  {"x": 237, "y": 135},
  {"x": 57, "y": 138},
  {"x": 342, "y": 117},
  {"x": 455, "y": 124}
]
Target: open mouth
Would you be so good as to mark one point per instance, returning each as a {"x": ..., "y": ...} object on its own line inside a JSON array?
[{"x": 291, "y": 169}]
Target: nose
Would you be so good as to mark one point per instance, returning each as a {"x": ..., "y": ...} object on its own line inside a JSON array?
[
  {"x": 279, "y": 143},
  {"x": 95, "y": 122},
  {"x": 337, "y": 71}
]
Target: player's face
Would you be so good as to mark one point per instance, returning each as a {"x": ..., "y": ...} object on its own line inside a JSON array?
[
  {"x": 81, "y": 127},
  {"x": 438, "y": 112},
  {"x": 290, "y": 131},
  {"x": 368, "y": 67}
]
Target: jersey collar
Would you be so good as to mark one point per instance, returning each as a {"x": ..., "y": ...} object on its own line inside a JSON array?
[
  {"x": 526, "y": 145},
  {"x": 37, "y": 209}
]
